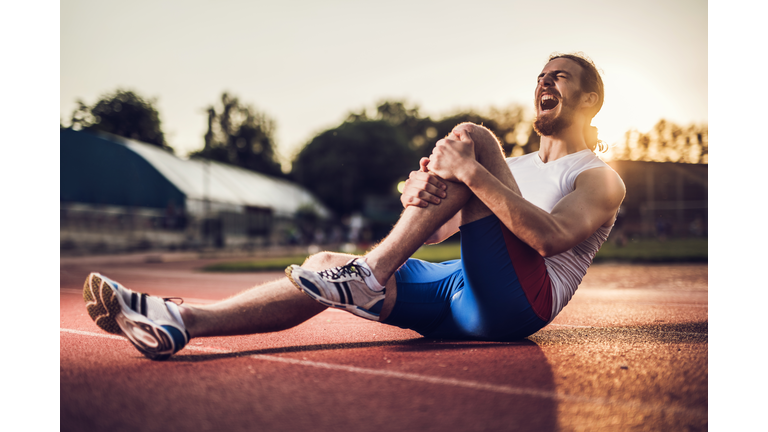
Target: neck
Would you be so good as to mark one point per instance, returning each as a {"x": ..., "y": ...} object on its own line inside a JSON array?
[{"x": 565, "y": 142}]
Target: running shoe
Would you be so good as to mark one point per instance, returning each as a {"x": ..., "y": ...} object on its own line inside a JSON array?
[
  {"x": 346, "y": 287},
  {"x": 152, "y": 324}
]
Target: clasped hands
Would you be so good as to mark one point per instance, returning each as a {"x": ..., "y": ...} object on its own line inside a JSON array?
[{"x": 448, "y": 161}]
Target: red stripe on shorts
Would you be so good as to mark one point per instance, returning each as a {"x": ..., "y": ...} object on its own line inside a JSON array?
[{"x": 532, "y": 274}]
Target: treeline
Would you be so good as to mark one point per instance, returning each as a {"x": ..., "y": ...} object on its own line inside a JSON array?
[
  {"x": 367, "y": 154},
  {"x": 665, "y": 142}
]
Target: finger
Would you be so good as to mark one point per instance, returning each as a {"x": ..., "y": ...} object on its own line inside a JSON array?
[
  {"x": 423, "y": 164},
  {"x": 433, "y": 187},
  {"x": 426, "y": 178},
  {"x": 464, "y": 135},
  {"x": 413, "y": 201},
  {"x": 428, "y": 197},
  {"x": 424, "y": 190}
]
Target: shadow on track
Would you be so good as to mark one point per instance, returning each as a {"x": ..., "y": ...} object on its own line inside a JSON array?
[{"x": 406, "y": 345}]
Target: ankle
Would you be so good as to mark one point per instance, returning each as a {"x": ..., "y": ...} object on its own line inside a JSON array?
[
  {"x": 188, "y": 319},
  {"x": 377, "y": 276}
]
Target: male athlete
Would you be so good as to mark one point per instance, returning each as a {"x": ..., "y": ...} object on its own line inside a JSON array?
[{"x": 530, "y": 226}]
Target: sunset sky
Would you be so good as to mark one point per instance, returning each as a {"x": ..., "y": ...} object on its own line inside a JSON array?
[{"x": 307, "y": 64}]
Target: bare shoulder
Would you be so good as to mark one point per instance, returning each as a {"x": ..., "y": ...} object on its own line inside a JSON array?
[
  {"x": 603, "y": 188},
  {"x": 604, "y": 181}
]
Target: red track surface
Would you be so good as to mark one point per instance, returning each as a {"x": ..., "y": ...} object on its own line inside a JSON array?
[{"x": 628, "y": 353}]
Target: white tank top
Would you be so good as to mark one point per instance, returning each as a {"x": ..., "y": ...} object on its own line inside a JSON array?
[{"x": 545, "y": 184}]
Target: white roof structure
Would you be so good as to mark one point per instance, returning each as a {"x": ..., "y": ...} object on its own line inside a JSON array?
[{"x": 226, "y": 186}]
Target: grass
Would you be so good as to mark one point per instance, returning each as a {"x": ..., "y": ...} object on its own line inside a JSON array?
[
  {"x": 639, "y": 251},
  {"x": 653, "y": 250},
  {"x": 263, "y": 264},
  {"x": 433, "y": 253}
]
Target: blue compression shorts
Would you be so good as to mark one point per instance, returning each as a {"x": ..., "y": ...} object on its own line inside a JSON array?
[{"x": 480, "y": 296}]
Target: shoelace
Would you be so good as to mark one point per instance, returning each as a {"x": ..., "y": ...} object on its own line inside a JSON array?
[
  {"x": 349, "y": 269},
  {"x": 171, "y": 299}
]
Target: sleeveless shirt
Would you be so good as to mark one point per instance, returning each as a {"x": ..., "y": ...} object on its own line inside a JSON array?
[{"x": 544, "y": 185}]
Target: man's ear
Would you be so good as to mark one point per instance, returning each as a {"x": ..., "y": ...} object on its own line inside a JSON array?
[{"x": 588, "y": 100}]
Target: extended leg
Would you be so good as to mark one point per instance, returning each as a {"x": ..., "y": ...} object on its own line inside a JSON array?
[
  {"x": 157, "y": 324},
  {"x": 269, "y": 307}
]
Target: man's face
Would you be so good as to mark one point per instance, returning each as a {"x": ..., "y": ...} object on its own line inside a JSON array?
[{"x": 558, "y": 94}]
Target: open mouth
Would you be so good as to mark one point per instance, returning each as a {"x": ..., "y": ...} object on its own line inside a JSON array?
[{"x": 548, "y": 102}]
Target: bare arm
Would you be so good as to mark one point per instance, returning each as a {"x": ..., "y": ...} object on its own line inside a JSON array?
[
  {"x": 593, "y": 203},
  {"x": 422, "y": 189}
]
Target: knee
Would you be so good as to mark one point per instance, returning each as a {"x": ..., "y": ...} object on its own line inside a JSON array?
[
  {"x": 324, "y": 260},
  {"x": 481, "y": 135}
]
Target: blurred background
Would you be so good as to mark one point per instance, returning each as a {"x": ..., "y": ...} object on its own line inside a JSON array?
[{"x": 262, "y": 126}]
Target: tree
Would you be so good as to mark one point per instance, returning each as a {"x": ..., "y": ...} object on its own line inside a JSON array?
[
  {"x": 240, "y": 135},
  {"x": 122, "y": 113},
  {"x": 665, "y": 142},
  {"x": 361, "y": 158},
  {"x": 422, "y": 132}
]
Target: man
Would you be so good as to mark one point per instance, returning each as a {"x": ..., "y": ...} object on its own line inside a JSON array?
[{"x": 530, "y": 226}]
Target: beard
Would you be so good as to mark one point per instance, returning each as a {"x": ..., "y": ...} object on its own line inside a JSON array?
[{"x": 551, "y": 125}]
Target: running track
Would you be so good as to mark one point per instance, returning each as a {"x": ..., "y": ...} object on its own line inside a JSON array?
[{"x": 628, "y": 353}]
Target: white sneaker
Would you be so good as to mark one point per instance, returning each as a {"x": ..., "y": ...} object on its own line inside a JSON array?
[
  {"x": 342, "y": 287},
  {"x": 152, "y": 324}
]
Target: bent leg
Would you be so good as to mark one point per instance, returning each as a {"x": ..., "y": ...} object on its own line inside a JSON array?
[
  {"x": 503, "y": 290},
  {"x": 416, "y": 224}
]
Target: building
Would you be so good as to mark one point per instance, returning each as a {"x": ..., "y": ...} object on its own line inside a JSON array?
[{"x": 121, "y": 194}]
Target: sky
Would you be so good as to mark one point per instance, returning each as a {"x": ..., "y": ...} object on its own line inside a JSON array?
[{"x": 307, "y": 64}]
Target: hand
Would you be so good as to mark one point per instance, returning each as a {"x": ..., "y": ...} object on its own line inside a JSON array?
[
  {"x": 422, "y": 188},
  {"x": 452, "y": 155}
]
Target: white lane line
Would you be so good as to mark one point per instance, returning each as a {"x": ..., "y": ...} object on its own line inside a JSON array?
[
  {"x": 87, "y": 333},
  {"x": 110, "y": 336},
  {"x": 473, "y": 385}
]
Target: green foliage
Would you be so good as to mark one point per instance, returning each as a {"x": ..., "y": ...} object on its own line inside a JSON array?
[
  {"x": 423, "y": 132},
  {"x": 654, "y": 250},
  {"x": 122, "y": 113},
  {"x": 265, "y": 264},
  {"x": 640, "y": 251},
  {"x": 665, "y": 142},
  {"x": 357, "y": 159},
  {"x": 240, "y": 135},
  {"x": 368, "y": 154}
]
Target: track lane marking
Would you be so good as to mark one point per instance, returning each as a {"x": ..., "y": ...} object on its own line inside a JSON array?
[{"x": 472, "y": 385}]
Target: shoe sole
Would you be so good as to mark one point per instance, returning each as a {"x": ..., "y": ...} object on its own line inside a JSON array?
[
  {"x": 353, "y": 309},
  {"x": 107, "y": 310}
]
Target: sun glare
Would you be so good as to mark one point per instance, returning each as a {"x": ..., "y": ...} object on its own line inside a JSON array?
[{"x": 632, "y": 102}]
